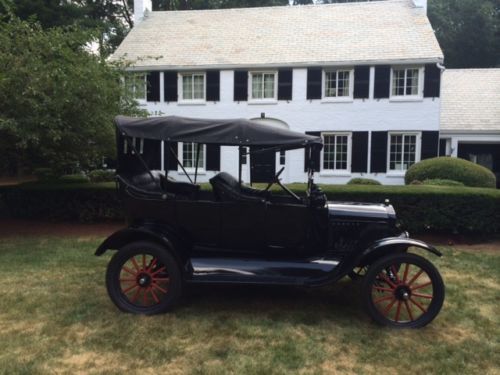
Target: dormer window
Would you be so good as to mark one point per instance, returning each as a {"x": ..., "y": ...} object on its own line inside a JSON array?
[
  {"x": 263, "y": 86},
  {"x": 406, "y": 82},
  {"x": 192, "y": 87},
  {"x": 338, "y": 84}
]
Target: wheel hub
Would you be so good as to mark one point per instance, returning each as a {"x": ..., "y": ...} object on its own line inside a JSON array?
[
  {"x": 143, "y": 280},
  {"x": 402, "y": 293}
]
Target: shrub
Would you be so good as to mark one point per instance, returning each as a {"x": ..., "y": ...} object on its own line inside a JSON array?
[
  {"x": 102, "y": 175},
  {"x": 44, "y": 174},
  {"x": 363, "y": 181},
  {"x": 73, "y": 178},
  {"x": 441, "y": 182},
  {"x": 416, "y": 182},
  {"x": 449, "y": 168}
]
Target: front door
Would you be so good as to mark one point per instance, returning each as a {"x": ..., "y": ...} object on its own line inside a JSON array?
[{"x": 262, "y": 165}]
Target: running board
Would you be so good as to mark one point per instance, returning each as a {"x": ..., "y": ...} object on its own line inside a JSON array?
[{"x": 258, "y": 271}]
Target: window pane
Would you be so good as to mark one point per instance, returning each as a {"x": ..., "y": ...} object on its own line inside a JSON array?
[
  {"x": 187, "y": 87},
  {"x": 343, "y": 83},
  {"x": 282, "y": 157},
  {"x": 198, "y": 86},
  {"x": 268, "y": 86},
  {"x": 187, "y": 155},
  {"x": 412, "y": 82},
  {"x": 398, "y": 82},
  {"x": 257, "y": 85},
  {"x": 330, "y": 84},
  {"x": 328, "y": 152}
]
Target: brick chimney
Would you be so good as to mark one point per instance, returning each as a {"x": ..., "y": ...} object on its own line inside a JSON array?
[
  {"x": 421, "y": 4},
  {"x": 141, "y": 8}
]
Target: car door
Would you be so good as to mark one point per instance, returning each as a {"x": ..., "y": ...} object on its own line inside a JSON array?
[
  {"x": 286, "y": 227},
  {"x": 242, "y": 226}
]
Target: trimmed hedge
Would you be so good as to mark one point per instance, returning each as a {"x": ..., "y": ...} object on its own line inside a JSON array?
[
  {"x": 420, "y": 208},
  {"x": 102, "y": 175},
  {"x": 363, "y": 181},
  {"x": 440, "y": 182},
  {"x": 449, "y": 168}
]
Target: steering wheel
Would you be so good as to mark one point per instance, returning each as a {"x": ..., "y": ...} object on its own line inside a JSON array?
[{"x": 275, "y": 179}]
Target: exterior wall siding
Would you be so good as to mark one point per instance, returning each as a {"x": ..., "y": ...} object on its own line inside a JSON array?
[{"x": 304, "y": 115}]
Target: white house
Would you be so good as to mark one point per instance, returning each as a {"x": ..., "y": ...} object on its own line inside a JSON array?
[
  {"x": 365, "y": 76},
  {"x": 470, "y": 116}
]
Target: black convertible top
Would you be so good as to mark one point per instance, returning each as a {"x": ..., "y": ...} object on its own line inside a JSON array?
[{"x": 236, "y": 132}]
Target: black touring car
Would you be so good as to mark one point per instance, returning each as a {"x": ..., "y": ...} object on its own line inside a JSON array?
[{"x": 233, "y": 233}]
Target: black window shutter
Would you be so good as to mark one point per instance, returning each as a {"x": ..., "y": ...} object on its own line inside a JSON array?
[
  {"x": 213, "y": 86},
  {"x": 170, "y": 162},
  {"x": 316, "y": 155},
  {"x": 285, "y": 79},
  {"x": 361, "y": 82},
  {"x": 379, "y": 152},
  {"x": 153, "y": 87},
  {"x": 314, "y": 77},
  {"x": 170, "y": 86},
  {"x": 240, "y": 85},
  {"x": 359, "y": 152},
  {"x": 213, "y": 157},
  {"x": 382, "y": 81},
  {"x": 430, "y": 144},
  {"x": 432, "y": 81},
  {"x": 442, "y": 147}
]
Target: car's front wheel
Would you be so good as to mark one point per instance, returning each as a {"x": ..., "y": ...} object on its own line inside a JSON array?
[
  {"x": 143, "y": 278},
  {"x": 403, "y": 291}
]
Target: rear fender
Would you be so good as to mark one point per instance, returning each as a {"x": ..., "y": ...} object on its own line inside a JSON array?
[
  {"x": 393, "y": 245},
  {"x": 125, "y": 236}
]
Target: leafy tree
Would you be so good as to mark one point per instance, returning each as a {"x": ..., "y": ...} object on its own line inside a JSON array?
[
  {"x": 57, "y": 100},
  {"x": 468, "y": 31}
]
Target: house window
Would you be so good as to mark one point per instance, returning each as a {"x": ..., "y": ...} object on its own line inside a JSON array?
[
  {"x": 263, "y": 86},
  {"x": 135, "y": 84},
  {"x": 282, "y": 156},
  {"x": 405, "y": 82},
  {"x": 189, "y": 151},
  {"x": 402, "y": 151},
  {"x": 337, "y": 84},
  {"x": 139, "y": 146},
  {"x": 192, "y": 87},
  {"x": 335, "y": 152},
  {"x": 244, "y": 155}
]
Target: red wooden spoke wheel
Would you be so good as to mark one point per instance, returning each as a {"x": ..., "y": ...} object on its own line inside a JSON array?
[
  {"x": 143, "y": 278},
  {"x": 403, "y": 290}
]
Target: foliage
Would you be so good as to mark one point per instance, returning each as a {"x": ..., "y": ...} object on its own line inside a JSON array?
[
  {"x": 468, "y": 31},
  {"x": 57, "y": 100},
  {"x": 44, "y": 174},
  {"x": 455, "y": 169},
  {"x": 101, "y": 175},
  {"x": 363, "y": 181},
  {"x": 77, "y": 178},
  {"x": 441, "y": 182}
]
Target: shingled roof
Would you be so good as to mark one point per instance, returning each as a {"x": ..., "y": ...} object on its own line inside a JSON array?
[
  {"x": 470, "y": 100},
  {"x": 380, "y": 31}
]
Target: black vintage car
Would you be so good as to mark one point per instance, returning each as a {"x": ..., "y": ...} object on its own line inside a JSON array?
[{"x": 233, "y": 233}]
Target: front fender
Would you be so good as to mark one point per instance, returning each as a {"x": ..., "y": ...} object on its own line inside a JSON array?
[{"x": 390, "y": 245}]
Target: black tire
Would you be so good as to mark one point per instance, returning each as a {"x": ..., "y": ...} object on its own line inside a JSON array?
[
  {"x": 158, "y": 280},
  {"x": 392, "y": 297}
]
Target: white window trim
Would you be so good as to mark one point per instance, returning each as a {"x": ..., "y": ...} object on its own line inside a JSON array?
[
  {"x": 134, "y": 143},
  {"x": 400, "y": 173},
  {"x": 408, "y": 98},
  {"x": 180, "y": 93},
  {"x": 201, "y": 170},
  {"x": 272, "y": 100},
  {"x": 331, "y": 99},
  {"x": 337, "y": 172}
]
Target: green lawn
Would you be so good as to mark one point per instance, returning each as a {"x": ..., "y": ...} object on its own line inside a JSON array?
[{"x": 55, "y": 316}]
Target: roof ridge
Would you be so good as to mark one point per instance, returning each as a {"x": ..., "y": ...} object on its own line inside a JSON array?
[{"x": 300, "y": 6}]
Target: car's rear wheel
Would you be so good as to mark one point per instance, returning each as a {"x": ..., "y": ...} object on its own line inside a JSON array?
[
  {"x": 143, "y": 278},
  {"x": 403, "y": 291}
]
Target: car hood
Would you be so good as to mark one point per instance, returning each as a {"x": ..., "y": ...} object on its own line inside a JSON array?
[{"x": 361, "y": 210}]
